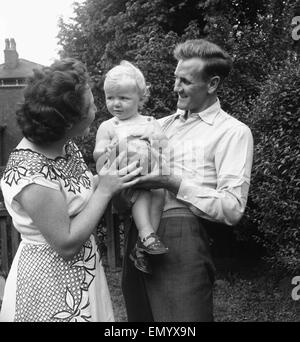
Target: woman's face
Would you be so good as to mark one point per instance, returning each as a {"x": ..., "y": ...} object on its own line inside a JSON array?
[{"x": 83, "y": 126}]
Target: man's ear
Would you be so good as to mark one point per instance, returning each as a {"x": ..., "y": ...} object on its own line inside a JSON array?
[{"x": 213, "y": 84}]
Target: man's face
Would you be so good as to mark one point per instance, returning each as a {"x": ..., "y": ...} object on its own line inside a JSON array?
[{"x": 190, "y": 85}]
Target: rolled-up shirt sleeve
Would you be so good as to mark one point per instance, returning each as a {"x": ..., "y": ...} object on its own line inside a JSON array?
[{"x": 233, "y": 162}]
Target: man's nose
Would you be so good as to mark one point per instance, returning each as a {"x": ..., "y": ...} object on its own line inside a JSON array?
[{"x": 177, "y": 86}]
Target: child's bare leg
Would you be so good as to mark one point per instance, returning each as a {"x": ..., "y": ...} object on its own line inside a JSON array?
[
  {"x": 141, "y": 215},
  {"x": 150, "y": 242},
  {"x": 157, "y": 206}
]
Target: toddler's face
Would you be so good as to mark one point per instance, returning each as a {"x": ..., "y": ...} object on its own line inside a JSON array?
[{"x": 122, "y": 98}]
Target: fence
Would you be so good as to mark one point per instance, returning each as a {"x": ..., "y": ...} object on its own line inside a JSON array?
[{"x": 10, "y": 239}]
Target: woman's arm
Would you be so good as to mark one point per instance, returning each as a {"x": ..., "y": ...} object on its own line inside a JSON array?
[{"x": 48, "y": 210}]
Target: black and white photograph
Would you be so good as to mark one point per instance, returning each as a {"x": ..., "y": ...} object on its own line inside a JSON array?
[{"x": 150, "y": 163}]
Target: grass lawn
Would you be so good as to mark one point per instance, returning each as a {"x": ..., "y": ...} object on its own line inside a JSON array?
[{"x": 248, "y": 295}]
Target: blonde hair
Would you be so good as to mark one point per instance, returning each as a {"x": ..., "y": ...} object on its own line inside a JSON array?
[{"x": 127, "y": 69}]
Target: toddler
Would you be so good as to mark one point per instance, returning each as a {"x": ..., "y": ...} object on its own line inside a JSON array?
[{"x": 125, "y": 93}]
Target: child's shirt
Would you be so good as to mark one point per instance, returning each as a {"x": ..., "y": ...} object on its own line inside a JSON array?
[{"x": 128, "y": 133}]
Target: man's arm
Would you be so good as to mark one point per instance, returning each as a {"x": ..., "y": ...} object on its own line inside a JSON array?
[
  {"x": 226, "y": 203},
  {"x": 233, "y": 162}
]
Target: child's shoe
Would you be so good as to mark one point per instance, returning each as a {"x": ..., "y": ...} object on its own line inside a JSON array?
[
  {"x": 155, "y": 247},
  {"x": 140, "y": 261}
]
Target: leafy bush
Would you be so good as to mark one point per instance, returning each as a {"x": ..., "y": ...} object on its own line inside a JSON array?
[
  {"x": 262, "y": 90},
  {"x": 275, "y": 186}
]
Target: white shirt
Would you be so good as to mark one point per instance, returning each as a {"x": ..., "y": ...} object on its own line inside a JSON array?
[{"x": 213, "y": 153}]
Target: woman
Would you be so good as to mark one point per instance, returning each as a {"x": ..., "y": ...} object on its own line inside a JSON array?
[{"x": 56, "y": 203}]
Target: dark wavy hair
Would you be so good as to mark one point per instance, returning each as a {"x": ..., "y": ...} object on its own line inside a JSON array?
[
  {"x": 217, "y": 61},
  {"x": 53, "y": 100}
]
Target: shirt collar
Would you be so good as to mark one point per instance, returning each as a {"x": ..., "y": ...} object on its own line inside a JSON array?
[{"x": 208, "y": 115}]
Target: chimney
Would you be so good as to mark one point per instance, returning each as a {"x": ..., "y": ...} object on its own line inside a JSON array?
[{"x": 11, "y": 57}]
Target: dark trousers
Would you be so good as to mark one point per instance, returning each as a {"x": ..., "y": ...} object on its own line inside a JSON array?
[{"x": 180, "y": 288}]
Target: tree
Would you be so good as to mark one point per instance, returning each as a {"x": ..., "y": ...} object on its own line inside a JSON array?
[
  {"x": 276, "y": 173},
  {"x": 256, "y": 33}
]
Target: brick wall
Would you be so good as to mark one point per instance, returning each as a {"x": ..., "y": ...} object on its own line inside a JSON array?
[{"x": 9, "y": 99}]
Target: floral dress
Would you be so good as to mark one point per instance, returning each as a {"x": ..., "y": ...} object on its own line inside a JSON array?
[{"x": 41, "y": 285}]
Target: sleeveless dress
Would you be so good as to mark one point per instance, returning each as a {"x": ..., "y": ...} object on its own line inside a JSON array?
[{"x": 41, "y": 286}]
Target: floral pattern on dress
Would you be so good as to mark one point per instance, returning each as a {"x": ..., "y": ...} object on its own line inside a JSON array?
[
  {"x": 71, "y": 169},
  {"x": 89, "y": 264},
  {"x": 76, "y": 313},
  {"x": 80, "y": 312},
  {"x": 14, "y": 174},
  {"x": 58, "y": 290}
]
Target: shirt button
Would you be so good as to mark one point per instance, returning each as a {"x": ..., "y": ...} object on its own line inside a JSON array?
[{"x": 116, "y": 122}]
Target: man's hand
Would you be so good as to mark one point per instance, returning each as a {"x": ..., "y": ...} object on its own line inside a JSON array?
[
  {"x": 161, "y": 177},
  {"x": 155, "y": 181},
  {"x": 152, "y": 181}
]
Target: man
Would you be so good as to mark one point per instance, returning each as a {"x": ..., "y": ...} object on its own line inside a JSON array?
[{"x": 208, "y": 185}]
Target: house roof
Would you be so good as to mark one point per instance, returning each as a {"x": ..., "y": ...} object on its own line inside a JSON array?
[{"x": 23, "y": 70}]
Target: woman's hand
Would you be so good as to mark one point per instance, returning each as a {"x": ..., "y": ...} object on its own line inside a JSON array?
[{"x": 112, "y": 180}]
